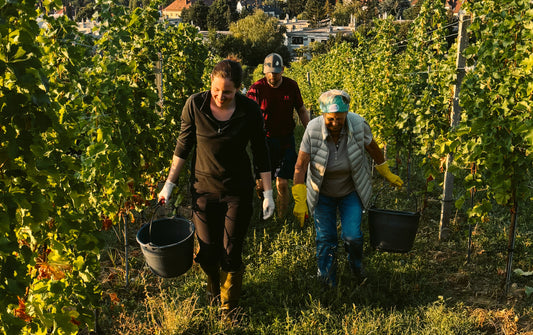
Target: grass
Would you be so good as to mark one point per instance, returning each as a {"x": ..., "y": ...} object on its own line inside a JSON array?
[{"x": 432, "y": 289}]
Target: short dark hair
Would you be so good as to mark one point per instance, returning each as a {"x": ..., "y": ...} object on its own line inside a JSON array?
[{"x": 228, "y": 68}]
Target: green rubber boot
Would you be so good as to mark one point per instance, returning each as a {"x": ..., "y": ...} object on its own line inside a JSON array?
[{"x": 230, "y": 290}]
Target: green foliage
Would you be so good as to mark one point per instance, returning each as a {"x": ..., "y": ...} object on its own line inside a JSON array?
[
  {"x": 260, "y": 35},
  {"x": 341, "y": 14},
  {"x": 429, "y": 67},
  {"x": 295, "y": 7},
  {"x": 314, "y": 11},
  {"x": 412, "y": 12},
  {"x": 495, "y": 130},
  {"x": 184, "y": 58},
  {"x": 318, "y": 48},
  {"x": 224, "y": 45},
  {"x": 49, "y": 244},
  {"x": 394, "y": 7},
  {"x": 196, "y": 14},
  {"x": 251, "y": 39},
  {"x": 221, "y": 13},
  {"x": 84, "y": 141},
  {"x": 403, "y": 88}
]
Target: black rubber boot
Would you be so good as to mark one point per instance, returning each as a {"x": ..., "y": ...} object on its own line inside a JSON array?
[{"x": 355, "y": 258}]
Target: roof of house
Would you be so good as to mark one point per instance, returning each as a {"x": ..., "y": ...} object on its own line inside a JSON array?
[
  {"x": 179, "y": 5},
  {"x": 457, "y": 7}
]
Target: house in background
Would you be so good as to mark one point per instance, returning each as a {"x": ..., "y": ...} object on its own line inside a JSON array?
[
  {"x": 303, "y": 37},
  {"x": 173, "y": 11},
  {"x": 272, "y": 11}
]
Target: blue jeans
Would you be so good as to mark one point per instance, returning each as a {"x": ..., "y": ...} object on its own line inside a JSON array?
[{"x": 325, "y": 215}]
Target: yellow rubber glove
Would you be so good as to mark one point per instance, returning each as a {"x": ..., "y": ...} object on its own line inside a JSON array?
[
  {"x": 384, "y": 170},
  {"x": 299, "y": 193}
]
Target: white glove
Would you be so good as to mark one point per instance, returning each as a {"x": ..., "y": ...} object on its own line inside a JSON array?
[
  {"x": 268, "y": 204},
  {"x": 165, "y": 193}
]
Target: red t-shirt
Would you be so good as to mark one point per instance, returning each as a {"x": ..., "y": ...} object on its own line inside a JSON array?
[{"x": 277, "y": 105}]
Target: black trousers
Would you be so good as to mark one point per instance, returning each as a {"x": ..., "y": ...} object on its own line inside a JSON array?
[{"x": 221, "y": 223}]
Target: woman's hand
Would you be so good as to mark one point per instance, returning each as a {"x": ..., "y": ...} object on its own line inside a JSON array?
[
  {"x": 165, "y": 193},
  {"x": 299, "y": 193},
  {"x": 268, "y": 204},
  {"x": 384, "y": 170}
]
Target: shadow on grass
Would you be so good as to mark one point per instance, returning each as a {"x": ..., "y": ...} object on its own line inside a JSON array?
[{"x": 428, "y": 290}]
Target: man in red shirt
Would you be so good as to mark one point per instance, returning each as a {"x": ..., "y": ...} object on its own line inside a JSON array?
[{"x": 278, "y": 97}]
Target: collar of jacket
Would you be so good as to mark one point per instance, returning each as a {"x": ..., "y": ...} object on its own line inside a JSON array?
[
  {"x": 205, "y": 106},
  {"x": 347, "y": 126}
]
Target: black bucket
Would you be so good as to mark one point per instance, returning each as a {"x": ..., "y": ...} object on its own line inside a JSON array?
[
  {"x": 392, "y": 231},
  {"x": 168, "y": 245}
]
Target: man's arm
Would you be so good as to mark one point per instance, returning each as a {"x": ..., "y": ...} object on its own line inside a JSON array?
[{"x": 303, "y": 113}]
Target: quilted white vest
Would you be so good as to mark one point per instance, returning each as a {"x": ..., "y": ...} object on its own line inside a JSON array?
[{"x": 356, "y": 155}]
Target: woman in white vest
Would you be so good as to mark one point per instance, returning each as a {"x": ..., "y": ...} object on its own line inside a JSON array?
[{"x": 332, "y": 152}]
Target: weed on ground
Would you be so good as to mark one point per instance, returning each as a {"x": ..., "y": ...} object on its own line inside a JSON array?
[{"x": 436, "y": 287}]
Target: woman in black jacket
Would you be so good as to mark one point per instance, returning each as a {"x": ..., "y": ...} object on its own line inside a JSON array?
[{"x": 218, "y": 124}]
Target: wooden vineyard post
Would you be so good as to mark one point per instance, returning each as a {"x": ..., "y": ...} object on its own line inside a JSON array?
[
  {"x": 447, "y": 201},
  {"x": 511, "y": 243}
]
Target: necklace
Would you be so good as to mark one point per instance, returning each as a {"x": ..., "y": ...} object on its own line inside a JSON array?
[
  {"x": 337, "y": 141},
  {"x": 222, "y": 125}
]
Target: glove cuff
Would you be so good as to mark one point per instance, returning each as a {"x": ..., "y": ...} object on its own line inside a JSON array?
[
  {"x": 299, "y": 193},
  {"x": 170, "y": 184},
  {"x": 299, "y": 188},
  {"x": 383, "y": 168},
  {"x": 267, "y": 194}
]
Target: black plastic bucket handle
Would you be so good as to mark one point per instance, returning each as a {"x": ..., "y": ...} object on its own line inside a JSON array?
[
  {"x": 156, "y": 208},
  {"x": 168, "y": 249}
]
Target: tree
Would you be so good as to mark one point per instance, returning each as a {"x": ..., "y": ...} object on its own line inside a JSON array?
[
  {"x": 295, "y": 7},
  {"x": 196, "y": 14},
  {"x": 341, "y": 15},
  {"x": 316, "y": 48},
  {"x": 221, "y": 13},
  {"x": 412, "y": 12},
  {"x": 394, "y": 7},
  {"x": 260, "y": 34},
  {"x": 370, "y": 10},
  {"x": 224, "y": 45},
  {"x": 328, "y": 9},
  {"x": 84, "y": 12},
  {"x": 314, "y": 11}
]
